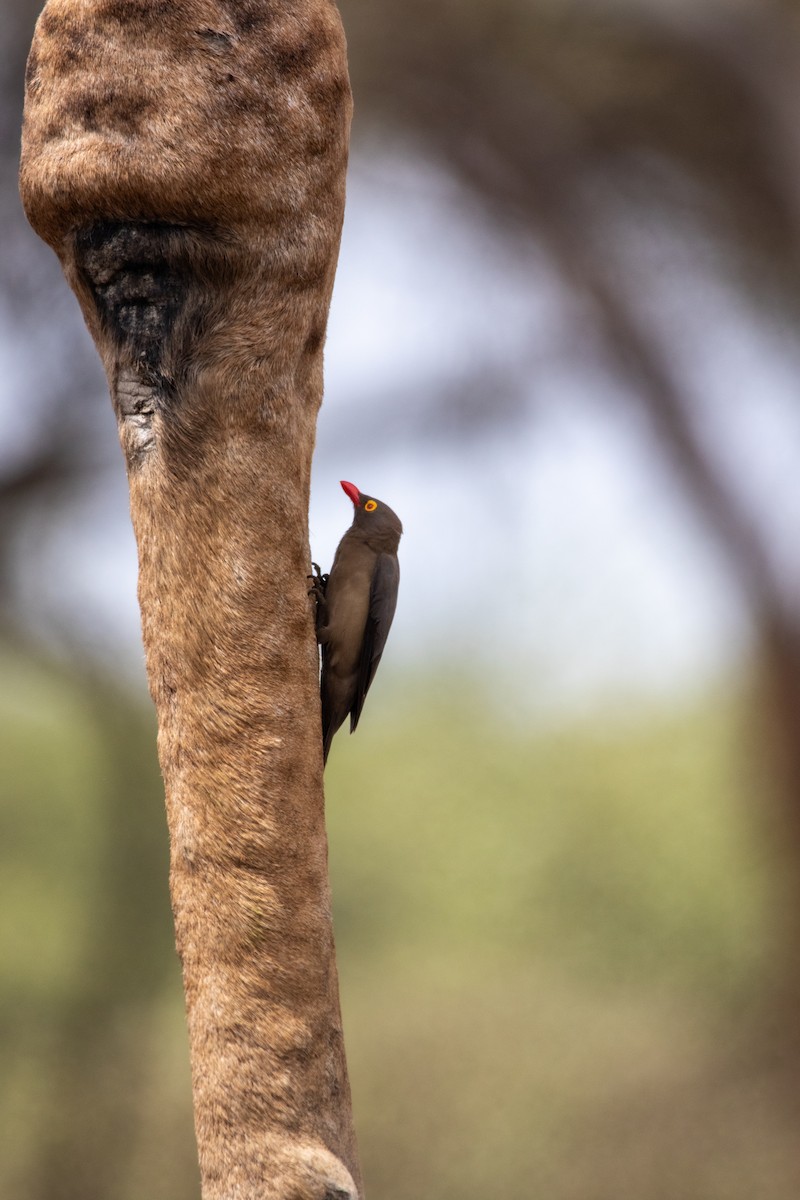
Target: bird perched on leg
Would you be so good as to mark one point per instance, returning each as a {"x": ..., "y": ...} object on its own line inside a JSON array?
[{"x": 355, "y": 607}]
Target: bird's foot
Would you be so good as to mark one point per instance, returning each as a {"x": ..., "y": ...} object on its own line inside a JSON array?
[
  {"x": 319, "y": 581},
  {"x": 317, "y": 590}
]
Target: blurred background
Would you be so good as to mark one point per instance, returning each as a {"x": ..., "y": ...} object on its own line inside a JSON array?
[{"x": 565, "y": 845}]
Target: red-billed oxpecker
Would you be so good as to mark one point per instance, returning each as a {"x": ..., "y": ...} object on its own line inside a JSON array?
[{"x": 355, "y": 607}]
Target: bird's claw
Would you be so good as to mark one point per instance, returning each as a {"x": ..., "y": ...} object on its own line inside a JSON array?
[
  {"x": 319, "y": 582},
  {"x": 317, "y": 590}
]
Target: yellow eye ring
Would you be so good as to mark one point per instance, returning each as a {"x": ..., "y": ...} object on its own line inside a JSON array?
[{"x": 370, "y": 506}]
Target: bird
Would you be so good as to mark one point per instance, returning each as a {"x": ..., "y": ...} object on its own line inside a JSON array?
[{"x": 356, "y": 603}]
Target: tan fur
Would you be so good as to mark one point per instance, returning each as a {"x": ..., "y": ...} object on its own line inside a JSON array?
[{"x": 189, "y": 156}]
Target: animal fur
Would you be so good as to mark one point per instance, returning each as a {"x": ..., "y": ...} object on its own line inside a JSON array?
[{"x": 186, "y": 161}]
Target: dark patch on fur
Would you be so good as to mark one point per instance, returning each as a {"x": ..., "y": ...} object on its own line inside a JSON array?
[
  {"x": 52, "y": 24},
  {"x": 137, "y": 285},
  {"x": 317, "y": 144},
  {"x": 314, "y": 340},
  {"x": 154, "y": 285},
  {"x": 248, "y": 16},
  {"x": 82, "y": 107},
  {"x": 296, "y": 57},
  {"x": 329, "y": 93},
  {"x": 127, "y": 12},
  {"x": 108, "y": 109},
  {"x": 72, "y": 47},
  {"x": 68, "y": 44},
  {"x": 53, "y": 128},
  {"x": 84, "y": 110}
]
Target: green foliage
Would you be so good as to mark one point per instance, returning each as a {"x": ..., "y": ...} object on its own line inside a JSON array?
[
  {"x": 550, "y": 951},
  {"x": 619, "y": 850}
]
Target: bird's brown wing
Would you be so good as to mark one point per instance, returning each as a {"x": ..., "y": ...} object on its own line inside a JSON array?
[{"x": 382, "y": 603}]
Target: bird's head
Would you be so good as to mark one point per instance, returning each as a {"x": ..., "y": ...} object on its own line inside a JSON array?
[{"x": 373, "y": 517}]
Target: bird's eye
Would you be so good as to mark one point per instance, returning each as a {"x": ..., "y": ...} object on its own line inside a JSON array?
[{"x": 370, "y": 506}]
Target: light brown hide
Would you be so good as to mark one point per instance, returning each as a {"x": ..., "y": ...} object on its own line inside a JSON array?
[{"x": 186, "y": 162}]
